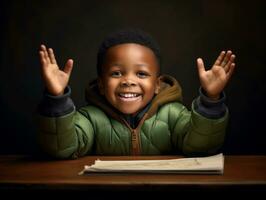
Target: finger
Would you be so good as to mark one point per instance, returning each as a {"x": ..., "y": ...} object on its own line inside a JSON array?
[
  {"x": 69, "y": 66},
  {"x": 43, "y": 48},
  {"x": 226, "y": 58},
  {"x": 230, "y": 62},
  {"x": 52, "y": 56},
  {"x": 231, "y": 70},
  {"x": 46, "y": 57},
  {"x": 200, "y": 64},
  {"x": 220, "y": 58},
  {"x": 42, "y": 58}
]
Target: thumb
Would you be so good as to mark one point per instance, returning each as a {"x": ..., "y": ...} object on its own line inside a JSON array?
[
  {"x": 69, "y": 66},
  {"x": 200, "y": 65}
]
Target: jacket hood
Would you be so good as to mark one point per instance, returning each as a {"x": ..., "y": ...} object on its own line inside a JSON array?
[{"x": 170, "y": 91}]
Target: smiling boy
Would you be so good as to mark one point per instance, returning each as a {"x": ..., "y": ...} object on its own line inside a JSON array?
[
  {"x": 132, "y": 109},
  {"x": 130, "y": 77}
]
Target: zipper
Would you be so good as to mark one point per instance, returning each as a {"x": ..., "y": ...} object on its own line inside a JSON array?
[
  {"x": 135, "y": 136},
  {"x": 135, "y": 142}
]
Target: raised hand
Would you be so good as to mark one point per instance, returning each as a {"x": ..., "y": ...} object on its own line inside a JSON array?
[
  {"x": 214, "y": 80},
  {"x": 55, "y": 79}
]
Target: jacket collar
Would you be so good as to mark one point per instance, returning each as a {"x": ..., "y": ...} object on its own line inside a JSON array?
[{"x": 170, "y": 91}]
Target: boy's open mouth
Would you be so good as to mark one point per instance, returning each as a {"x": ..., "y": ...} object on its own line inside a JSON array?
[{"x": 129, "y": 96}]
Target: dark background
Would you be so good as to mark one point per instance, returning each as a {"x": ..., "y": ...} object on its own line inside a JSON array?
[{"x": 185, "y": 30}]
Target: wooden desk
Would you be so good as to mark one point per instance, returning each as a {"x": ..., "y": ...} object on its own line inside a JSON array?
[{"x": 23, "y": 173}]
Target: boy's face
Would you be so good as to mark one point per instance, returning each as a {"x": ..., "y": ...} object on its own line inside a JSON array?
[{"x": 130, "y": 77}]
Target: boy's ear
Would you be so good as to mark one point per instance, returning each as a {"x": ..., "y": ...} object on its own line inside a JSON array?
[
  {"x": 157, "y": 88},
  {"x": 100, "y": 86}
]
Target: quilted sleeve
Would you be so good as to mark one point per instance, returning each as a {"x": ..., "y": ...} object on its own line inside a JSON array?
[
  {"x": 67, "y": 136},
  {"x": 194, "y": 134}
]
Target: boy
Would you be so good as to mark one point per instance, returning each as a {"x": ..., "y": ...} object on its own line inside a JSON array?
[{"x": 132, "y": 109}]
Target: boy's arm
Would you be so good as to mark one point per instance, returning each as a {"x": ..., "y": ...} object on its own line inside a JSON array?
[
  {"x": 63, "y": 132},
  {"x": 201, "y": 131},
  {"x": 205, "y": 136}
]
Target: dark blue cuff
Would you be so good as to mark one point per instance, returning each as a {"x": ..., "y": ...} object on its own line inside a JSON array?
[
  {"x": 210, "y": 108},
  {"x": 56, "y": 106}
]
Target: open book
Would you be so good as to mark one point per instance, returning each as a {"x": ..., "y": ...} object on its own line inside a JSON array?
[{"x": 196, "y": 165}]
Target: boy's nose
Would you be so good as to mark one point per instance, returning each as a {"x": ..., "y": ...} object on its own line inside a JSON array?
[{"x": 128, "y": 82}]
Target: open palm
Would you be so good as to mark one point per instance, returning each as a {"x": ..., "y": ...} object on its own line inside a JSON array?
[
  {"x": 55, "y": 79},
  {"x": 215, "y": 79}
]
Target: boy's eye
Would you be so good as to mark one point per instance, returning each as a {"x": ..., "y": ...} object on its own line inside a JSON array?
[
  {"x": 116, "y": 74},
  {"x": 142, "y": 74}
]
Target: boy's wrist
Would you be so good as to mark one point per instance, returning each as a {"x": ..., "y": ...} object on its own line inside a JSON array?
[
  {"x": 208, "y": 107},
  {"x": 211, "y": 99},
  {"x": 55, "y": 106},
  {"x": 66, "y": 91}
]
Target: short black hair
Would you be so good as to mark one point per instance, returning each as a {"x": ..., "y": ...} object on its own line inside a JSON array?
[{"x": 128, "y": 35}]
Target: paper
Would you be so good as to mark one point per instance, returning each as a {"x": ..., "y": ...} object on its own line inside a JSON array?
[{"x": 196, "y": 165}]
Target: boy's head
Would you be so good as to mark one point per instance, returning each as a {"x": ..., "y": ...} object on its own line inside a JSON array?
[
  {"x": 124, "y": 36},
  {"x": 128, "y": 69}
]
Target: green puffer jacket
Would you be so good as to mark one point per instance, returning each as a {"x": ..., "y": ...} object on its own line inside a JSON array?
[{"x": 166, "y": 128}]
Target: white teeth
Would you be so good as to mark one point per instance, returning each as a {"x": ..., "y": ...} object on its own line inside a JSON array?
[{"x": 128, "y": 95}]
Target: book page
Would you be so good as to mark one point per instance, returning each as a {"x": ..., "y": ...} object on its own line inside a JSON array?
[{"x": 214, "y": 164}]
